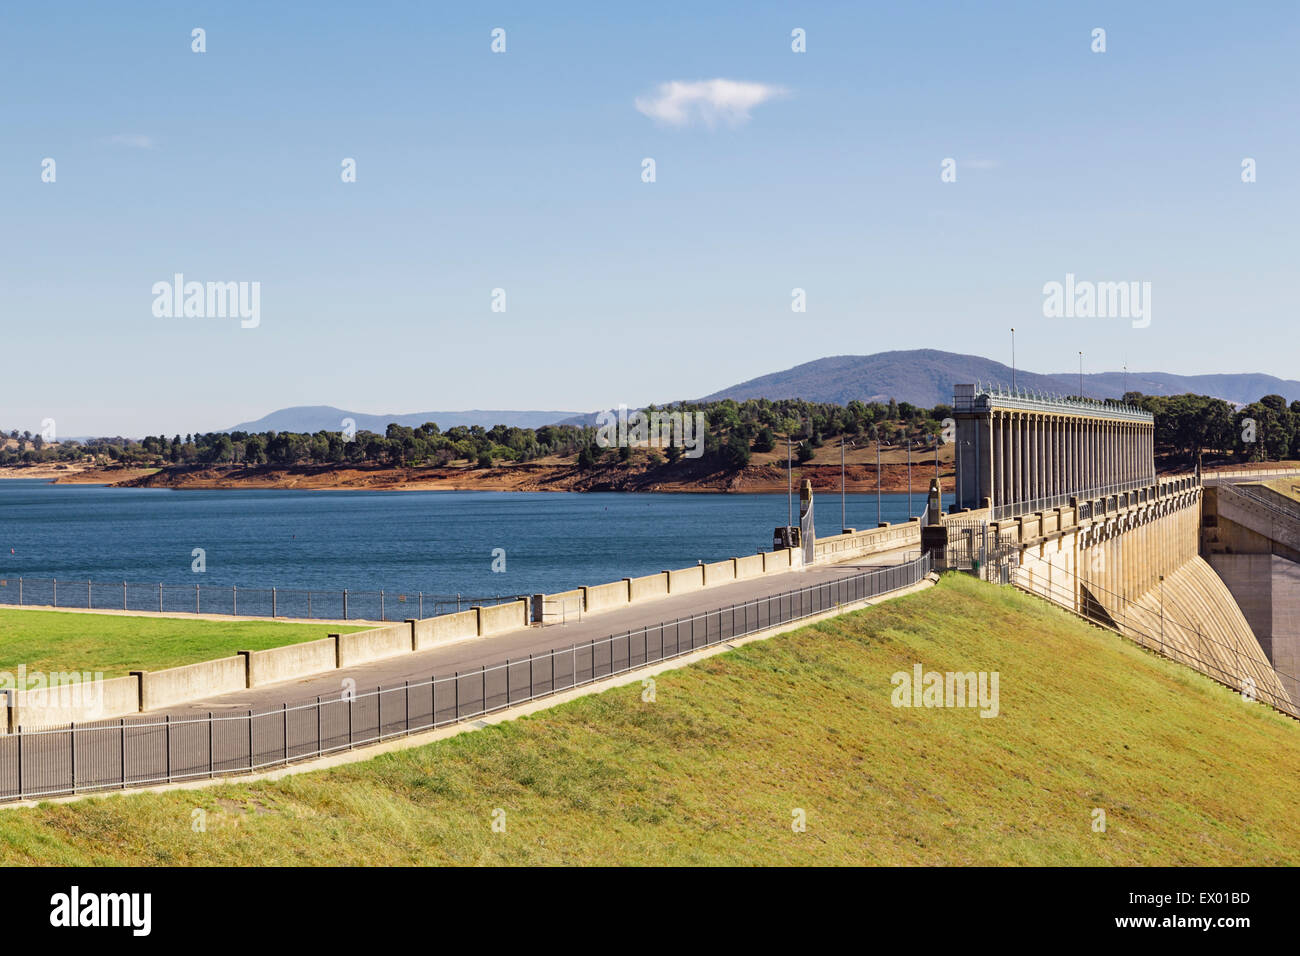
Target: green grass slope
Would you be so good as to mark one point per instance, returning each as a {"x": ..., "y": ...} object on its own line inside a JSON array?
[
  {"x": 712, "y": 770},
  {"x": 116, "y": 644}
]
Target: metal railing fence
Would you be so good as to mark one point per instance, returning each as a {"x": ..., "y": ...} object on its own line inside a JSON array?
[
  {"x": 337, "y": 605},
  {"x": 1045, "y": 503},
  {"x": 163, "y": 749},
  {"x": 1272, "y": 501},
  {"x": 1234, "y": 475},
  {"x": 1165, "y": 641}
]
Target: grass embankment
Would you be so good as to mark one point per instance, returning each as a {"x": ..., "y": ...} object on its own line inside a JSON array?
[
  {"x": 1186, "y": 772},
  {"x": 117, "y": 644}
]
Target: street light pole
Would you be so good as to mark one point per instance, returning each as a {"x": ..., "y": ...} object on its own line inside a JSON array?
[
  {"x": 789, "y": 482},
  {"x": 909, "y": 478},
  {"x": 1013, "y": 359},
  {"x": 1081, "y": 375},
  {"x": 844, "y": 520},
  {"x": 878, "y": 522}
]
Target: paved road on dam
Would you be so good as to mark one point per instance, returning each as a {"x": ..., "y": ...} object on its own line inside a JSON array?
[
  {"x": 471, "y": 654},
  {"x": 294, "y": 720}
]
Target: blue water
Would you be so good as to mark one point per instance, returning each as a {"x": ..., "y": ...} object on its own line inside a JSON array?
[{"x": 436, "y": 542}]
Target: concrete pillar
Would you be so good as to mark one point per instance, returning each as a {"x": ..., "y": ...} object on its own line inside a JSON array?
[
  {"x": 1056, "y": 455},
  {"x": 1087, "y": 455},
  {"x": 1035, "y": 457},
  {"x": 1021, "y": 451}
]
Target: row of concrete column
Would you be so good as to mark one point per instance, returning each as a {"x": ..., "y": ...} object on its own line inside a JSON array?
[{"x": 1044, "y": 455}]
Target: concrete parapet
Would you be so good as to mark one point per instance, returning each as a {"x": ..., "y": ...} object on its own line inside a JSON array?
[
  {"x": 886, "y": 537},
  {"x": 775, "y": 562},
  {"x": 374, "y": 644},
  {"x": 292, "y": 661},
  {"x": 720, "y": 572},
  {"x": 563, "y": 605},
  {"x": 180, "y": 685},
  {"x": 648, "y": 587},
  {"x": 605, "y": 597},
  {"x": 686, "y": 580},
  {"x": 502, "y": 617},
  {"x": 445, "y": 628},
  {"x": 67, "y": 703},
  {"x": 750, "y": 566}
]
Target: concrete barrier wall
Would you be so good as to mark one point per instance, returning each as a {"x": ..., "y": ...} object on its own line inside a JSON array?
[
  {"x": 374, "y": 644},
  {"x": 649, "y": 587},
  {"x": 69, "y": 703},
  {"x": 180, "y": 685},
  {"x": 603, "y": 597},
  {"x": 750, "y": 566},
  {"x": 502, "y": 617},
  {"x": 446, "y": 628},
  {"x": 776, "y": 561},
  {"x": 686, "y": 580},
  {"x": 720, "y": 572},
  {"x": 872, "y": 541},
  {"x": 563, "y": 605},
  {"x": 292, "y": 661}
]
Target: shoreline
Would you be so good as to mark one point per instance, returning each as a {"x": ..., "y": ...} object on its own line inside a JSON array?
[{"x": 753, "y": 479}]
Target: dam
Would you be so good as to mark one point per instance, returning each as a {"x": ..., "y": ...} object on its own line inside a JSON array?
[{"x": 1061, "y": 498}]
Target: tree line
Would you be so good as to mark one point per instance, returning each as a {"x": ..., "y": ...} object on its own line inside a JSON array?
[{"x": 1186, "y": 427}]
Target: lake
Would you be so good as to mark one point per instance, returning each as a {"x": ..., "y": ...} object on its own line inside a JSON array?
[{"x": 435, "y": 542}]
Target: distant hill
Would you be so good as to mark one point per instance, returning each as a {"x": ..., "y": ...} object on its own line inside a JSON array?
[
  {"x": 922, "y": 377},
  {"x": 313, "y": 418},
  {"x": 926, "y": 376}
]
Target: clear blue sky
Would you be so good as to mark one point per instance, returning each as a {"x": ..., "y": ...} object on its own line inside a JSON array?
[{"x": 523, "y": 171}]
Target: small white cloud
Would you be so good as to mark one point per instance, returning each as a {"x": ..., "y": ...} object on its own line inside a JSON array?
[
  {"x": 134, "y": 140},
  {"x": 706, "y": 101}
]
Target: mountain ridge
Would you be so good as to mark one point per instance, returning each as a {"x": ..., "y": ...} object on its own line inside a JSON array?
[{"x": 923, "y": 377}]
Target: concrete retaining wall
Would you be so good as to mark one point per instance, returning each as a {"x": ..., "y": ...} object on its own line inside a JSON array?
[
  {"x": 445, "y": 628},
  {"x": 686, "y": 580},
  {"x": 649, "y": 587},
  {"x": 502, "y": 617},
  {"x": 292, "y": 661},
  {"x": 180, "y": 685},
  {"x": 374, "y": 644},
  {"x": 68, "y": 703}
]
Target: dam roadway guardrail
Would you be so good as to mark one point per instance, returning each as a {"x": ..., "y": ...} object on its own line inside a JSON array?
[{"x": 151, "y": 750}]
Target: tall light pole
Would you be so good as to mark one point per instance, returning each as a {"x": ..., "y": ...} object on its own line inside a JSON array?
[
  {"x": 1013, "y": 358},
  {"x": 789, "y": 482},
  {"x": 1081, "y": 375},
  {"x": 843, "y": 505},
  {"x": 909, "y": 477},
  {"x": 876, "y": 429}
]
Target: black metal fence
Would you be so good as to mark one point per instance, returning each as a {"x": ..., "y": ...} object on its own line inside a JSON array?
[
  {"x": 332, "y": 605},
  {"x": 161, "y": 749},
  {"x": 1170, "y": 638}
]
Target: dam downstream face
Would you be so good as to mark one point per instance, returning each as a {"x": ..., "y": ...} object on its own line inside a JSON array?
[{"x": 438, "y": 542}]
